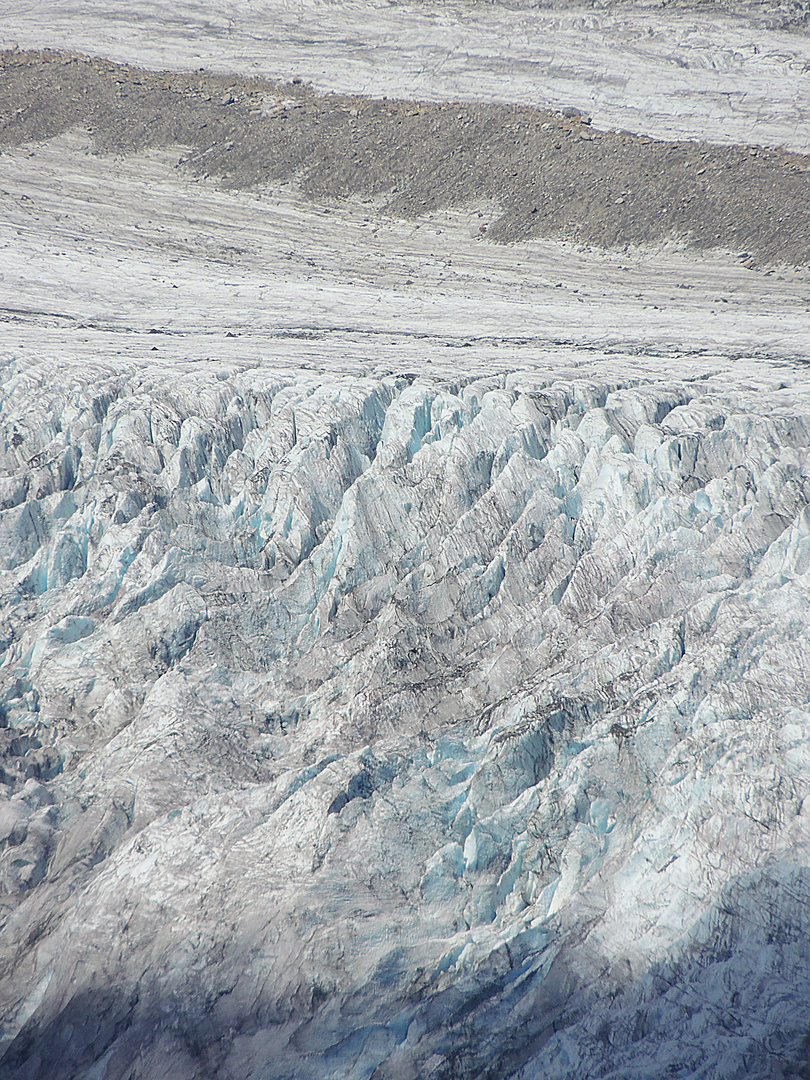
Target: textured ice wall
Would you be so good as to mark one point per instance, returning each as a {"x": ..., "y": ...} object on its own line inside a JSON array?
[{"x": 398, "y": 728}]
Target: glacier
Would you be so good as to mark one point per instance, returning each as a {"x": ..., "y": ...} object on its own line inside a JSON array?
[
  {"x": 407, "y": 725},
  {"x": 403, "y": 636}
]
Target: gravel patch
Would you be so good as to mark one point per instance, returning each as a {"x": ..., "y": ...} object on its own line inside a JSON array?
[{"x": 533, "y": 173}]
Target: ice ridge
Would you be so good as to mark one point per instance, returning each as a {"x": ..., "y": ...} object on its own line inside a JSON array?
[{"x": 394, "y": 727}]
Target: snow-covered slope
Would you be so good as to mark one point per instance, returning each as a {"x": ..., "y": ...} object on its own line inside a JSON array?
[{"x": 403, "y": 726}]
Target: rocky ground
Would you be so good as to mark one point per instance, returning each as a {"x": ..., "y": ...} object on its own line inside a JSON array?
[
  {"x": 403, "y": 555},
  {"x": 539, "y": 174}
]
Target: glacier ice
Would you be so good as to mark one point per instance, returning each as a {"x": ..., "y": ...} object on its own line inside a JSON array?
[{"x": 402, "y": 727}]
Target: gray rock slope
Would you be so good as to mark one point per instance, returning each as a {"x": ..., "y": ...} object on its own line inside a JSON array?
[{"x": 402, "y": 729}]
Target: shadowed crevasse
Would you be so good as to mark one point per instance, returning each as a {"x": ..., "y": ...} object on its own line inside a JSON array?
[{"x": 753, "y": 942}]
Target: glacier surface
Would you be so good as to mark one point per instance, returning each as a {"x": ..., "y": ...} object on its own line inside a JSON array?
[{"x": 402, "y": 726}]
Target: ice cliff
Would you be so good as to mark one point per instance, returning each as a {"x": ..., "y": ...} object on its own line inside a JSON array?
[{"x": 398, "y": 728}]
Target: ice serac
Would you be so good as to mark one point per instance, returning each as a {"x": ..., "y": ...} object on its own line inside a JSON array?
[{"x": 398, "y": 728}]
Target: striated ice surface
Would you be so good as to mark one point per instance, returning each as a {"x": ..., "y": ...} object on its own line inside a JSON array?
[
  {"x": 729, "y": 72},
  {"x": 402, "y": 727}
]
